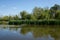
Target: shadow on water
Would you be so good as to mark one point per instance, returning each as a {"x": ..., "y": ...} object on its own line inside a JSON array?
[{"x": 33, "y": 32}]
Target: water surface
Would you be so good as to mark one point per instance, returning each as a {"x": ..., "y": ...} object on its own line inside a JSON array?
[{"x": 29, "y": 32}]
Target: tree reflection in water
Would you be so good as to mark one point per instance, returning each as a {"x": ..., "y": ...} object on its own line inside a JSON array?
[{"x": 39, "y": 31}]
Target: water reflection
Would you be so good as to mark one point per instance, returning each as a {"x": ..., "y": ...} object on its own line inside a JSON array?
[{"x": 30, "y": 32}]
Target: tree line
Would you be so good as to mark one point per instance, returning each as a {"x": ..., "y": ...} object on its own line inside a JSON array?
[{"x": 38, "y": 13}]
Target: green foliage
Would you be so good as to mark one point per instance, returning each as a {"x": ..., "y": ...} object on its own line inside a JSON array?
[
  {"x": 53, "y": 10},
  {"x": 40, "y": 22},
  {"x": 23, "y": 15},
  {"x": 16, "y": 17},
  {"x": 37, "y": 16},
  {"x": 5, "y": 18},
  {"x": 57, "y": 15},
  {"x": 28, "y": 16},
  {"x": 37, "y": 12}
]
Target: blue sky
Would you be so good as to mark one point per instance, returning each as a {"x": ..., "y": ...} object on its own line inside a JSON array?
[{"x": 13, "y": 7}]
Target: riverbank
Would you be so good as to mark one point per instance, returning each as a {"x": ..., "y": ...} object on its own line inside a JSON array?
[{"x": 34, "y": 22}]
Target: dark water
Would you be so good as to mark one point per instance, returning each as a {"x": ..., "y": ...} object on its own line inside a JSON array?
[{"x": 29, "y": 32}]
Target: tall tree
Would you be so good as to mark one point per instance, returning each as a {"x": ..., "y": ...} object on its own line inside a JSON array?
[
  {"x": 57, "y": 15},
  {"x": 37, "y": 12},
  {"x": 53, "y": 10},
  {"x": 23, "y": 15},
  {"x": 28, "y": 16},
  {"x": 16, "y": 17}
]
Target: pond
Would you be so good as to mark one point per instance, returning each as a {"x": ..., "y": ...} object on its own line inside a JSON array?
[{"x": 30, "y": 32}]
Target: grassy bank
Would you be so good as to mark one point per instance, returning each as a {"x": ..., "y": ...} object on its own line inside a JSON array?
[{"x": 39, "y": 22}]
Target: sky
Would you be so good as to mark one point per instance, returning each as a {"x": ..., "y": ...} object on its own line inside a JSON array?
[{"x": 13, "y": 7}]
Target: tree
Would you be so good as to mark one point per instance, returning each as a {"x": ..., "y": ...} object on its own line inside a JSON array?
[
  {"x": 5, "y": 18},
  {"x": 53, "y": 10},
  {"x": 23, "y": 15},
  {"x": 37, "y": 12},
  {"x": 46, "y": 14},
  {"x": 57, "y": 15},
  {"x": 11, "y": 18},
  {"x": 28, "y": 16},
  {"x": 16, "y": 17}
]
